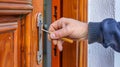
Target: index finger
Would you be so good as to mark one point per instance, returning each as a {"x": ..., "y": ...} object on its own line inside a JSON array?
[
  {"x": 59, "y": 24},
  {"x": 55, "y": 26}
]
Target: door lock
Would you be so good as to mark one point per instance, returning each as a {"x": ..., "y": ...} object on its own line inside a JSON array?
[{"x": 40, "y": 38}]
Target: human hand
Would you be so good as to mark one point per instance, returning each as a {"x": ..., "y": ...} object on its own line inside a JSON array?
[{"x": 69, "y": 28}]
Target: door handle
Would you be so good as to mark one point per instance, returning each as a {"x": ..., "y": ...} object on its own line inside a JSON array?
[{"x": 40, "y": 38}]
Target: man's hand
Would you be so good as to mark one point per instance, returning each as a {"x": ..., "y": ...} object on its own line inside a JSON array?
[{"x": 69, "y": 28}]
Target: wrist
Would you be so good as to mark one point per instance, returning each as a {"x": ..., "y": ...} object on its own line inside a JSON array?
[{"x": 86, "y": 32}]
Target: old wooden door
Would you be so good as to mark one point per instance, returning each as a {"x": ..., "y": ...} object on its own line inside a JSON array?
[
  {"x": 73, "y": 55},
  {"x": 9, "y": 43},
  {"x": 19, "y": 32}
]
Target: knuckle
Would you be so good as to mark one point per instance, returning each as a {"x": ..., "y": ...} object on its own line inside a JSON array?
[{"x": 63, "y": 18}]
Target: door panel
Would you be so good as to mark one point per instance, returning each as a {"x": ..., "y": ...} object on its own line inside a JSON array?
[
  {"x": 24, "y": 33},
  {"x": 70, "y": 51},
  {"x": 16, "y": 1},
  {"x": 7, "y": 50},
  {"x": 15, "y": 7},
  {"x": 77, "y": 52},
  {"x": 8, "y": 43}
]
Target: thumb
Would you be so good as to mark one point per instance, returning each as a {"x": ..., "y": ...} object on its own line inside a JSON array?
[{"x": 64, "y": 32}]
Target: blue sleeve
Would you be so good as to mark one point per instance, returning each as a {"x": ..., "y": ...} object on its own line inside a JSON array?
[{"x": 107, "y": 33}]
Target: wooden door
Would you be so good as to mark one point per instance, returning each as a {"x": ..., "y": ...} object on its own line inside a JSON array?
[
  {"x": 73, "y": 55},
  {"x": 9, "y": 44},
  {"x": 19, "y": 33}
]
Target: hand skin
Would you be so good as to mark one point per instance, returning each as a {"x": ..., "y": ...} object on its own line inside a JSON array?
[{"x": 69, "y": 28}]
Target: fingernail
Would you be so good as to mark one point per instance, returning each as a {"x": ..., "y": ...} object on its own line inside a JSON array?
[
  {"x": 52, "y": 36},
  {"x": 60, "y": 48}
]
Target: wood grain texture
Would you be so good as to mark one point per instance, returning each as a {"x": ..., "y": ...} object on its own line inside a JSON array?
[
  {"x": 6, "y": 50},
  {"x": 16, "y": 1},
  {"x": 10, "y": 46},
  {"x": 8, "y": 19},
  {"x": 14, "y": 12},
  {"x": 69, "y": 55},
  {"x": 37, "y": 8},
  {"x": 18, "y": 42},
  {"x": 30, "y": 32},
  {"x": 15, "y": 6},
  {"x": 9, "y": 8},
  {"x": 23, "y": 56},
  {"x": 83, "y": 10},
  {"x": 73, "y": 55},
  {"x": 27, "y": 43},
  {"x": 7, "y": 27},
  {"x": 56, "y": 62},
  {"x": 21, "y": 32}
]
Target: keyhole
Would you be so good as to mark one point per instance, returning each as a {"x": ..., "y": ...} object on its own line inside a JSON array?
[
  {"x": 55, "y": 12},
  {"x": 55, "y": 16},
  {"x": 55, "y": 50}
]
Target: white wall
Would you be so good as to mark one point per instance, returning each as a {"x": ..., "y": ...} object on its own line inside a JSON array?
[
  {"x": 117, "y": 17},
  {"x": 97, "y": 55}
]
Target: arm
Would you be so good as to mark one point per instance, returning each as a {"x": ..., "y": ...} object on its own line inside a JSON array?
[{"x": 107, "y": 33}]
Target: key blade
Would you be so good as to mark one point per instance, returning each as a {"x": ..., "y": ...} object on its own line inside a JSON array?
[
  {"x": 45, "y": 31},
  {"x": 64, "y": 39}
]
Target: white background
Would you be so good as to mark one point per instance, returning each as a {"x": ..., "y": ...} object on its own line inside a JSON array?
[{"x": 98, "y": 10}]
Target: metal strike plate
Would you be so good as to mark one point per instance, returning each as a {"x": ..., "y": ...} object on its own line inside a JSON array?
[{"x": 40, "y": 35}]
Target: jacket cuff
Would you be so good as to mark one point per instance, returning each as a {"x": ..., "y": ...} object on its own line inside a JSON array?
[{"x": 94, "y": 32}]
